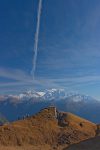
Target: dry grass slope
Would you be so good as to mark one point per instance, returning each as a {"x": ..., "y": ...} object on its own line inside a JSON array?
[{"x": 45, "y": 130}]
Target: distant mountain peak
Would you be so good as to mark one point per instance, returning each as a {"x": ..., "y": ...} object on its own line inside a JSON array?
[
  {"x": 49, "y": 94},
  {"x": 32, "y": 101}
]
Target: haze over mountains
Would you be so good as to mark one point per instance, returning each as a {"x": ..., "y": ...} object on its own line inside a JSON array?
[
  {"x": 3, "y": 120},
  {"x": 30, "y": 102}
]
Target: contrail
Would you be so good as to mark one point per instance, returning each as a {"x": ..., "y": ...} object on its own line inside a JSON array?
[{"x": 36, "y": 39}]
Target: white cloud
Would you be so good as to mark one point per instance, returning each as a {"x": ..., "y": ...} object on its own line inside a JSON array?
[
  {"x": 15, "y": 74},
  {"x": 18, "y": 78}
]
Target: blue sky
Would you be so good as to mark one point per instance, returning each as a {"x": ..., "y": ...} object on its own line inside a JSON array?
[{"x": 68, "y": 49}]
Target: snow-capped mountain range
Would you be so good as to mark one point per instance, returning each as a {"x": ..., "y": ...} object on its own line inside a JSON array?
[
  {"x": 43, "y": 95},
  {"x": 48, "y": 95},
  {"x": 30, "y": 102}
]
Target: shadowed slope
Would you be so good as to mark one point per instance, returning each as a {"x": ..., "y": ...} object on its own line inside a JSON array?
[{"x": 91, "y": 144}]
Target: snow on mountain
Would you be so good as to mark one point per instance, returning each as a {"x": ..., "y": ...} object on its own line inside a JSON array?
[
  {"x": 28, "y": 94},
  {"x": 30, "y": 102},
  {"x": 44, "y": 95},
  {"x": 41, "y": 93},
  {"x": 81, "y": 98},
  {"x": 54, "y": 94},
  {"x": 48, "y": 95}
]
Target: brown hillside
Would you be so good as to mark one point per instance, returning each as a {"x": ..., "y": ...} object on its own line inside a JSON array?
[{"x": 47, "y": 128}]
